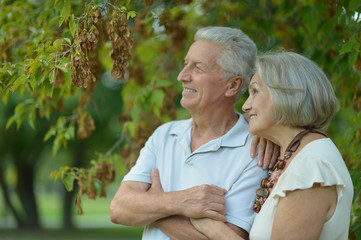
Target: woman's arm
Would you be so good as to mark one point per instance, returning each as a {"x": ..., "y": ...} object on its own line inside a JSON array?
[
  {"x": 215, "y": 229},
  {"x": 302, "y": 213}
]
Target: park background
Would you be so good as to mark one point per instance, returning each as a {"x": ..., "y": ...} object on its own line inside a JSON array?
[{"x": 84, "y": 83}]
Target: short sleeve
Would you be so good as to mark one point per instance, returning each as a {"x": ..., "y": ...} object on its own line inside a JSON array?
[
  {"x": 140, "y": 172},
  {"x": 240, "y": 198},
  {"x": 304, "y": 172}
]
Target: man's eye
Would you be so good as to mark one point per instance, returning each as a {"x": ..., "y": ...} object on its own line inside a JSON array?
[{"x": 198, "y": 68}]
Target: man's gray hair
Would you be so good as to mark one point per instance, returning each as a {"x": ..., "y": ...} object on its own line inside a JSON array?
[{"x": 239, "y": 55}]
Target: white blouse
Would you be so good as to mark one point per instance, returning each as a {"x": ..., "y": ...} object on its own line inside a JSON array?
[{"x": 318, "y": 162}]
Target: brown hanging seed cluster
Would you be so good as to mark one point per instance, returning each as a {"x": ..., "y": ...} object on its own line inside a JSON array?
[
  {"x": 86, "y": 125},
  {"x": 103, "y": 173},
  {"x": 86, "y": 43},
  {"x": 120, "y": 35}
]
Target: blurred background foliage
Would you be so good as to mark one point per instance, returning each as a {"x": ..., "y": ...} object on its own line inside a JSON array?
[{"x": 84, "y": 83}]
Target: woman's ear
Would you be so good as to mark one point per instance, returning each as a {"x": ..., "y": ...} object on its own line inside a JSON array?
[{"x": 234, "y": 86}]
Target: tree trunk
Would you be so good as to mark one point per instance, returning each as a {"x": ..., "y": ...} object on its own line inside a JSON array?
[
  {"x": 69, "y": 196},
  {"x": 20, "y": 222},
  {"x": 25, "y": 190}
]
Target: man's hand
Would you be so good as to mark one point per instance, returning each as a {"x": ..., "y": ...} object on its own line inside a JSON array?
[
  {"x": 268, "y": 152},
  {"x": 156, "y": 186},
  {"x": 204, "y": 201}
]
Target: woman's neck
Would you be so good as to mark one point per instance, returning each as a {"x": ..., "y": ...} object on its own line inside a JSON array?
[{"x": 282, "y": 135}]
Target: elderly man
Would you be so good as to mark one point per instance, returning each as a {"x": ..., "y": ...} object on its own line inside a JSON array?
[{"x": 204, "y": 163}]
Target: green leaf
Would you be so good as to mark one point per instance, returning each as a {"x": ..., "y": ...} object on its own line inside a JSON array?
[
  {"x": 47, "y": 111},
  {"x": 63, "y": 171},
  {"x": 65, "y": 7},
  {"x": 69, "y": 133},
  {"x": 51, "y": 132},
  {"x": 67, "y": 40},
  {"x": 48, "y": 89},
  {"x": 57, "y": 176},
  {"x": 346, "y": 47},
  {"x": 354, "y": 5},
  {"x": 10, "y": 121},
  {"x": 19, "y": 81},
  {"x": 60, "y": 124},
  {"x": 69, "y": 182},
  {"x": 66, "y": 10},
  {"x": 72, "y": 25},
  {"x": 57, "y": 143},
  {"x": 32, "y": 118},
  {"x": 352, "y": 58},
  {"x": 58, "y": 43},
  {"x": 32, "y": 82},
  {"x": 53, "y": 174},
  {"x": 52, "y": 77},
  {"x": 351, "y": 44},
  {"x": 62, "y": 68},
  {"x": 131, "y": 14}
]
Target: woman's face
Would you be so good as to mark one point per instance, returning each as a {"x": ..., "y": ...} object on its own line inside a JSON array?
[{"x": 259, "y": 106}]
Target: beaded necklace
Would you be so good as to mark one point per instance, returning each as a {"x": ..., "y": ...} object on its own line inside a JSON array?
[{"x": 275, "y": 173}]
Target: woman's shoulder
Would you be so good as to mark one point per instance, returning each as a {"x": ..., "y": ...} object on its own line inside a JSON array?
[{"x": 318, "y": 162}]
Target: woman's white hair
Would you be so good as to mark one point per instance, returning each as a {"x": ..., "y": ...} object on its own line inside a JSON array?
[
  {"x": 301, "y": 93},
  {"x": 239, "y": 55}
]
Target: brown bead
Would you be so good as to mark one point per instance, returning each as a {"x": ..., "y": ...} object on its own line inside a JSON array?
[
  {"x": 281, "y": 164},
  {"x": 262, "y": 192},
  {"x": 256, "y": 206},
  {"x": 264, "y": 182}
]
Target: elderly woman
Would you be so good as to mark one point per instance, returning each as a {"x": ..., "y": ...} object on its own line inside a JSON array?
[{"x": 308, "y": 194}]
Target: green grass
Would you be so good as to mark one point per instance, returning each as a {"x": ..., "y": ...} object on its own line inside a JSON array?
[
  {"x": 93, "y": 224},
  {"x": 120, "y": 233}
]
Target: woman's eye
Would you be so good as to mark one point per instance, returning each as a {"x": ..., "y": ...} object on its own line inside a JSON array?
[{"x": 255, "y": 91}]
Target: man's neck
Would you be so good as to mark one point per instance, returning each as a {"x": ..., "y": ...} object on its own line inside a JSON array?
[{"x": 207, "y": 128}]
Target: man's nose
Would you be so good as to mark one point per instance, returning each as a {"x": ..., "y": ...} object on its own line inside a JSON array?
[{"x": 184, "y": 75}]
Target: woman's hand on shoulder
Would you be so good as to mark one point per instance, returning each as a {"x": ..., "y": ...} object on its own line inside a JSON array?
[{"x": 268, "y": 152}]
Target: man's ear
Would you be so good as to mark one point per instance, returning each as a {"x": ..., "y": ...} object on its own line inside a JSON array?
[{"x": 234, "y": 86}]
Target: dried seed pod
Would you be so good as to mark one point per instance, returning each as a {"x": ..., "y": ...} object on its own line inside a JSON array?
[
  {"x": 85, "y": 125},
  {"x": 86, "y": 48},
  {"x": 120, "y": 35}
]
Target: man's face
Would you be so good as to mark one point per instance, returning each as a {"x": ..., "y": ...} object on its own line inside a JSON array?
[{"x": 201, "y": 77}]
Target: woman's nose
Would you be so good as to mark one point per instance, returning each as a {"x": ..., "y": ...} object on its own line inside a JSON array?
[{"x": 247, "y": 105}]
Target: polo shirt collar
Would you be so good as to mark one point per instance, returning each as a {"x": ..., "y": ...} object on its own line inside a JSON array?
[{"x": 235, "y": 137}]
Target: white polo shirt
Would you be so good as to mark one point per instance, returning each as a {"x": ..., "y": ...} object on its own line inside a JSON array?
[{"x": 224, "y": 162}]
